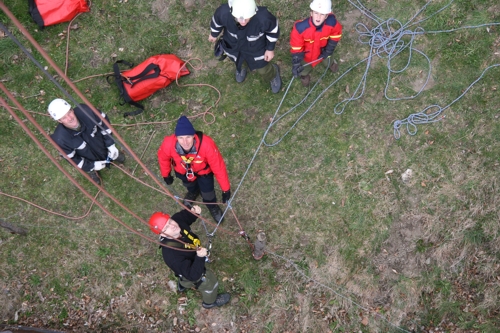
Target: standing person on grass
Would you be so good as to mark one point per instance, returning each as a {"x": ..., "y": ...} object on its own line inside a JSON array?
[
  {"x": 195, "y": 159},
  {"x": 315, "y": 38},
  {"x": 249, "y": 38},
  {"x": 84, "y": 137},
  {"x": 188, "y": 266}
]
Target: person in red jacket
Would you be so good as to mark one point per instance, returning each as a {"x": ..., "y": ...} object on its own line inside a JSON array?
[
  {"x": 195, "y": 159},
  {"x": 315, "y": 39}
]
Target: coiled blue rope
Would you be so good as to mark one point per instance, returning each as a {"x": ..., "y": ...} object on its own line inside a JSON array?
[{"x": 387, "y": 40}]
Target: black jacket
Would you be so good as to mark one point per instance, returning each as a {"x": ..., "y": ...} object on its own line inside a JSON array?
[
  {"x": 247, "y": 43},
  {"x": 185, "y": 263},
  {"x": 87, "y": 145}
]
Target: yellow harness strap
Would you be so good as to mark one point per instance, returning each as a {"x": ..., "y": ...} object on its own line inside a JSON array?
[
  {"x": 187, "y": 160},
  {"x": 196, "y": 241}
]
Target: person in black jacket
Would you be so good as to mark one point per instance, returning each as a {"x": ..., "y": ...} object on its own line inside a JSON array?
[
  {"x": 84, "y": 137},
  {"x": 185, "y": 256},
  {"x": 249, "y": 38}
]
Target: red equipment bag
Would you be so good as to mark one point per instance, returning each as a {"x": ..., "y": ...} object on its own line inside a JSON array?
[
  {"x": 143, "y": 80},
  {"x": 50, "y": 12}
]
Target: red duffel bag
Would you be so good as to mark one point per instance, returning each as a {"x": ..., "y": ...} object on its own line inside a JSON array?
[
  {"x": 143, "y": 80},
  {"x": 50, "y": 12}
]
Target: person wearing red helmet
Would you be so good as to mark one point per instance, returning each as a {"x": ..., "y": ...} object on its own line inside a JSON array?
[
  {"x": 315, "y": 39},
  {"x": 189, "y": 266},
  {"x": 195, "y": 159}
]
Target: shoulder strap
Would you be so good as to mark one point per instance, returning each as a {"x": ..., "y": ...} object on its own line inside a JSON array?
[
  {"x": 144, "y": 74},
  {"x": 200, "y": 136},
  {"x": 123, "y": 93},
  {"x": 173, "y": 244}
]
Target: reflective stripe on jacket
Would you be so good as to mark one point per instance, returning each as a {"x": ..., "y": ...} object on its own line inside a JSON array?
[
  {"x": 87, "y": 145},
  {"x": 247, "y": 43}
]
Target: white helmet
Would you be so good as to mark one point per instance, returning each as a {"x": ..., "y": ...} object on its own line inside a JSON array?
[
  {"x": 321, "y": 6},
  {"x": 243, "y": 9},
  {"x": 58, "y": 108}
]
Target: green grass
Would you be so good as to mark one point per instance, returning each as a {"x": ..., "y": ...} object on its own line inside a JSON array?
[{"x": 322, "y": 195}]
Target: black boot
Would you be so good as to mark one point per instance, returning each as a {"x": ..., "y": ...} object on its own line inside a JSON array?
[
  {"x": 120, "y": 159},
  {"x": 216, "y": 212},
  {"x": 219, "y": 301},
  {"x": 191, "y": 197},
  {"x": 179, "y": 287},
  {"x": 95, "y": 176}
]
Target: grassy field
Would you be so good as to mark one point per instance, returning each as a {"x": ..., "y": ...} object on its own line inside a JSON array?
[{"x": 352, "y": 247}]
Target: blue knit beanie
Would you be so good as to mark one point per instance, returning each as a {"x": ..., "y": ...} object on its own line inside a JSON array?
[{"x": 184, "y": 127}]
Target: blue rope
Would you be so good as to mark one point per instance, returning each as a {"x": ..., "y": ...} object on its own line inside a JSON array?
[
  {"x": 387, "y": 41},
  {"x": 422, "y": 117}
]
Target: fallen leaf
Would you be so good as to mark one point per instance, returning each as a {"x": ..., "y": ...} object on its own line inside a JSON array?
[
  {"x": 389, "y": 172},
  {"x": 423, "y": 184},
  {"x": 364, "y": 321}
]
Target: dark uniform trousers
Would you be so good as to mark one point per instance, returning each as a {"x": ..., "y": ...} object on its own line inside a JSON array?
[{"x": 208, "y": 287}]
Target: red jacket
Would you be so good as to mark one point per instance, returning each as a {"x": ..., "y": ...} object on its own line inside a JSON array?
[
  {"x": 305, "y": 38},
  {"x": 208, "y": 159}
]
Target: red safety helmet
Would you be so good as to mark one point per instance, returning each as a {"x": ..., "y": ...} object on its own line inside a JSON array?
[{"x": 157, "y": 222}]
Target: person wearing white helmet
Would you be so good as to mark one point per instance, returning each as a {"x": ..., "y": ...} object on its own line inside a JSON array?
[
  {"x": 84, "y": 137},
  {"x": 315, "y": 39},
  {"x": 249, "y": 36}
]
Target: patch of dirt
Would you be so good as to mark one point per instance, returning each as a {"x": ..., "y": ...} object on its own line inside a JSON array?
[
  {"x": 156, "y": 102},
  {"x": 250, "y": 115},
  {"x": 96, "y": 61},
  {"x": 195, "y": 106},
  {"x": 399, "y": 255},
  {"x": 494, "y": 9},
  {"x": 417, "y": 83},
  {"x": 160, "y": 9},
  {"x": 212, "y": 63},
  {"x": 350, "y": 19}
]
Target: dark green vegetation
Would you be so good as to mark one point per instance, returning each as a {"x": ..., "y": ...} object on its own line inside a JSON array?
[{"x": 423, "y": 254}]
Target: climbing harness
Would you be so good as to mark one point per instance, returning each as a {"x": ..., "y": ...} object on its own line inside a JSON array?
[
  {"x": 196, "y": 241},
  {"x": 187, "y": 165}
]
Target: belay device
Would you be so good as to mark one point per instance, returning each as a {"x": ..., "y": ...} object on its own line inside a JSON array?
[{"x": 143, "y": 80}]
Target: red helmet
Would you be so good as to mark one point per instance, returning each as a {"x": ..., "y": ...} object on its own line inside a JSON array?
[{"x": 157, "y": 222}]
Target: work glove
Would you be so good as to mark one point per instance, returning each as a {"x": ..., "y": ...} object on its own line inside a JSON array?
[
  {"x": 328, "y": 49},
  {"x": 113, "y": 152},
  {"x": 99, "y": 165},
  {"x": 226, "y": 196},
  {"x": 324, "y": 55},
  {"x": 297, "y": 69},
  {"x": 169, "y": 179}
]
